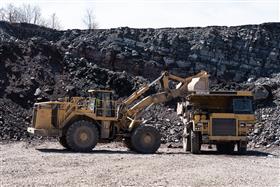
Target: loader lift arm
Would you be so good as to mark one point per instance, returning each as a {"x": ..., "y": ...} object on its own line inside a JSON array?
[{"x": 184, "y": 87}]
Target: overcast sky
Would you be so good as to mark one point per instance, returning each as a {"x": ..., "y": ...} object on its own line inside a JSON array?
[{"x": 158, "y": 13}]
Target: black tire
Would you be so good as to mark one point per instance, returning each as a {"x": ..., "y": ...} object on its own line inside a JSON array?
[
  {"x": 186, "y": 139},
  {"x": 145, "y": 139},
  {"x": 82, "y": 136},
  {"x": 63, "y": 142},
  {"x": 242, "y": 148},
  {"x": 127, "y": 143},
  {"x": 221, "y": 148},
  {"x": 225, "y": 148},
  {"x": 195, "y": 142}
]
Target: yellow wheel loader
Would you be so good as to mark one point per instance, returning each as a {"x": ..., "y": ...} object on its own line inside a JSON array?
[{"x": 82, "y": 122}]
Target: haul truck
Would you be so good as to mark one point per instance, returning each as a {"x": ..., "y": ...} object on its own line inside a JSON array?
[
  {"x": 82, "y": 122},
  {"x": 218, "y": 117}
]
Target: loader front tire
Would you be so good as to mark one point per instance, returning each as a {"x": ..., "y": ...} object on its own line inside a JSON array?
[
  {"x": 145, "y": 139},
  {"x": 82, "y": 136},
  {"x": 127, "y": 143},
  {"x": 63, "y": 142}
]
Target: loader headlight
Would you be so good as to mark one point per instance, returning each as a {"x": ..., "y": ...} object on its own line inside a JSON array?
[{"x": 91, "y": 106}]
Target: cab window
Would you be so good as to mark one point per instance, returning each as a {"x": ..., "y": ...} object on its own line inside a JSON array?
[{"x": 242, "y": 106}]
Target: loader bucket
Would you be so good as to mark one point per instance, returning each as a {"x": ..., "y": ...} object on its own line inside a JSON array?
[{"x": 199, "y": 84}]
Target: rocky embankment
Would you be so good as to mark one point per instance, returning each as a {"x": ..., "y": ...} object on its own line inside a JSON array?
[{"x": 39, "y": 64}]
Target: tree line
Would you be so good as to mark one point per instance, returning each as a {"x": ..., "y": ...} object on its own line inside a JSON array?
[{"x": 27, "y": 13}]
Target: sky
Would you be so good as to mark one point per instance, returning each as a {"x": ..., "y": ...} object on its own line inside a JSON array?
[{"x": 158, "y": 13}]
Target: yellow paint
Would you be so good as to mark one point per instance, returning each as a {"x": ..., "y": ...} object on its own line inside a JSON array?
[{"x": 244, "y": 93}]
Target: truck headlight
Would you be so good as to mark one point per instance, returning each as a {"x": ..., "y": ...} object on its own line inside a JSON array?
[
  {"x": 242, "y": 124},
  {"x": 250, "y": 126},
  {"x": 199, "y": 125}
]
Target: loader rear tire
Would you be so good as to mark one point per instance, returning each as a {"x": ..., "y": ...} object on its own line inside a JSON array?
[
  {"x": 195, "y": 142},
  {"x": 63, "y": 142},
  {"x": 145, "y": 139},
  {"x": 186, "y": 139},
  {"x": 82, "y": 136}
]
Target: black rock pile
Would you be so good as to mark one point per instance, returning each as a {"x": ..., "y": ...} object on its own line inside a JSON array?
[
  {"x": 13, "y": 121},
  {"x": 267, "y": 128},
  {"x": 165, "y": 119},
  {"x": 39, "y": 64}
]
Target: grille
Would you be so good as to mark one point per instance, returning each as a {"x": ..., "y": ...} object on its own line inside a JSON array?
[{"x": 223, "y": 127}]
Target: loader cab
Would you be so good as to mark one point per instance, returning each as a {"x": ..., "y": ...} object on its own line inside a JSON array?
[{"x": 102, "y": 103}]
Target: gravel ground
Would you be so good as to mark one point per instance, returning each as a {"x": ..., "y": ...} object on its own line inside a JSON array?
[{"x": 47, "y": 164}]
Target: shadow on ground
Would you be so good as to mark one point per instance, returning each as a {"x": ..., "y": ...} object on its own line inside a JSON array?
[
  {"x": 204, "y": 152},
  {"x": 214, "y": 152},
  {"x": 47, "y": 150}
]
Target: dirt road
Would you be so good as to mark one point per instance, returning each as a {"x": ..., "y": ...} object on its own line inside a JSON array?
[{"x": 47, "y": 164}]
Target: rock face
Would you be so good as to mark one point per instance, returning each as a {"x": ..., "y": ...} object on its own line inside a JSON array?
[
  {"x": 39, "y": 64},
  {"x": 230, "y": 53}
]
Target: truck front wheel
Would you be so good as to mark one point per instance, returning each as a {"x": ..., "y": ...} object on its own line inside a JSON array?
[
  {"x": 195, "y": 142},
  {"x": 242, "y": 147},
  {"x": 186, "y": 139},
  {"x": 82, "y": 136},
  {"x": 145, "y": 139}
]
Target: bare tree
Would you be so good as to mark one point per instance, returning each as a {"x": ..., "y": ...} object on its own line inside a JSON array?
[
  {"x": 54, "y": 22},
  {"x": 13, "y": 14},
  {"x": 44, "y": 22},
  {"x": 37, "y": 15},
  {"x": 89, "y": 19},
  {"x": 2, "y": 14},
  {"x": 28, "y": 14}
]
